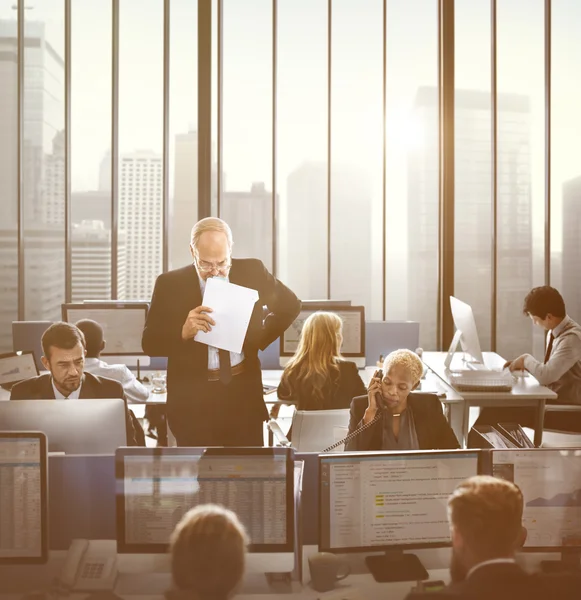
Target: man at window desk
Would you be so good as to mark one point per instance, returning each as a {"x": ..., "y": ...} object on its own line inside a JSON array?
[
  {"x": 561, "y": 369},
  {"x": 215, "y": 397}
]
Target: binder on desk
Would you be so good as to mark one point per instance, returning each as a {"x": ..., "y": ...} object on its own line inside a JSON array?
[{"x": 487, "y": 436}]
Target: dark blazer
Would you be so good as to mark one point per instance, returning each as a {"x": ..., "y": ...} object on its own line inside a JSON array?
[
  {"x": 432, "y": 428},
  {"x": 348, "y": 387},
  {"x": 177, "y": 292},
  {"x": 40, "y": 388},
  {"x": 505, "y": 581}
]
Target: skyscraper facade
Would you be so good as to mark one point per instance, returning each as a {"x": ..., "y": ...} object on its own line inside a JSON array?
[
  {"x": 140, "y": 218},
  {"x": 473, "y": 193}
]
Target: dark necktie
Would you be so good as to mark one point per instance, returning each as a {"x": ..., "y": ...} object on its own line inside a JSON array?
[
  {"x": 225, "y": 366},
  {"x": 549, "y": 348}
]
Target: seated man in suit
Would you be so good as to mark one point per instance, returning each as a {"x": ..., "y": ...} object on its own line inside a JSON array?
[
  {"x": 561, "y": 369},
  {"x": 485, "y": 517},
  {"x": 63, "y": 346},
  {"x": 390, "y": 417}
]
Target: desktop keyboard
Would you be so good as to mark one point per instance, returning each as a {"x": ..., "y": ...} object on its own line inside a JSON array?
[{"x": 481, "y": 381}]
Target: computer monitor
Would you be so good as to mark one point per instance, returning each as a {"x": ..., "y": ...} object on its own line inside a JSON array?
[
  {"x": 71, "y": 426},
  {"x": 157, "y": 486},
  {"x": 466, "y": 334},
  {"x": 550, "y": 481},
  {"x": 27, "y": 335},
  {"x": 353, "y": 347},
  {"x": 15, "y": 367},
  {"x": 122, "y": 324},
  {"x": 389, "y": 501},
  {"x": 24, "y": 497}
]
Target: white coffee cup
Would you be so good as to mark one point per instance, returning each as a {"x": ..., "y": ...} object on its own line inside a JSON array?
[{"x": 326, "y": 569}]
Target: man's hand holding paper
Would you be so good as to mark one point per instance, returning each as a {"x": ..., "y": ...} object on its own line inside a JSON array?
[{"x": 231, "y": 307}]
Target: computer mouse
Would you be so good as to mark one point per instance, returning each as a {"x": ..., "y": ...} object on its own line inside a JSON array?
[
  {"x": 34, "y": 596},
  {"x": 103, "y": 595}
]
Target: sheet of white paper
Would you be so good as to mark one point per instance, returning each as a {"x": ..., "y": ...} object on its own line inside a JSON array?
[{"x": 232, "y": 308}]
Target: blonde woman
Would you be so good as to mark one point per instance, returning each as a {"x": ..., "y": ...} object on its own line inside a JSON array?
[
  {"x": 317, "y": 377},
  {"x": 406, "y": 421},
  {"x": 208, "y": 552}
]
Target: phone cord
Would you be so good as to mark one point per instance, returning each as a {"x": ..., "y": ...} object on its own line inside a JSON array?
[{"x": 355, "y": 433}]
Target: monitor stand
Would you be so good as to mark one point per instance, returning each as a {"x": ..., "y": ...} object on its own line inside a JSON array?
[
  {"x": 468, "y": 361},
  {"x": 570, "y": 563},
  {"x": 396, "y": 566}
]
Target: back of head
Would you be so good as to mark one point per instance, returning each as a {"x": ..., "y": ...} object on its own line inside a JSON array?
[
  {"x": 61, "y": 335},
  {"x": 208, "y": 548},
  {"x": 314, "y": 363},
  {"x": 93, "y": 333},
  {"x": 487, "y": 513},
  {"x": 544, "y": 300}
]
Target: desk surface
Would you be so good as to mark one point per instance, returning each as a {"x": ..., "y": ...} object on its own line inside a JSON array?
[
  {"x": 146, "y": 576},
  {"x": 525, "y": 388}
]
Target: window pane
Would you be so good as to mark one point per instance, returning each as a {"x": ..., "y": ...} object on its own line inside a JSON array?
[
  {"x": 302, "y": 146},
  {"x": 43, "y": 193},
  {"x": 521, "y": 173},
  {"x": 565, "y": 164},
  {"x": 246, "y": 202},
  {"x": 357, "y": 154},
  {"x": 8, "y": 173},
  {"x": 473, "y": 162},
  {"x": 90, "y": 150},
  {"x": 183, "y": 163},
  {"x": 140, "y": 146},
  {"x": 412, "y": 165}
]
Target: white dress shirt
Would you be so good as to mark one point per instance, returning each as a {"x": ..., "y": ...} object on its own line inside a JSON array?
[
  {"x": 72, "y": 396},
  {"x": 493, "y": 561},
  {"x": 562, "y": 372},
  {"x": 134, "y": 390},
  {"x": 213, "y": 357}
]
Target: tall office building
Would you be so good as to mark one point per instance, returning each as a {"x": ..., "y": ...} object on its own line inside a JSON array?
[
  {"x": 184, "y": 203},
  {"x": 140, "y": 216},
  {"x": 249, "y": 215},
  {"x": 571, "y": 257},
  {"x": 306, "y": 233},
  {"x": 473, "y": 193},
  {"x": 42, "y": 193},
  {"x": 91, "y": 262}
]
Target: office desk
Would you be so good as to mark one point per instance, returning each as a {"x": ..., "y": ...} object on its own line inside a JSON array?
[
  {"x": 147, "y": 576},
  {"x": 527, "y": 391}
]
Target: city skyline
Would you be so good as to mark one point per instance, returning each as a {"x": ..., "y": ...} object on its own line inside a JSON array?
[{"x": 356, "y": 119}]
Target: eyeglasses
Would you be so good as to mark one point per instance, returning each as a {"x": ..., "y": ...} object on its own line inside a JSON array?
[{"x": 207, "y": 267}]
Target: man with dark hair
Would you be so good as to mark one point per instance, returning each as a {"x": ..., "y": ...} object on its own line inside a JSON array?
[
  {"x": 95, "y": 343},
  {"x": 485, "y": 515},
  {"x": 561, "y": 369},
  {"x": 63, "y": 345}
]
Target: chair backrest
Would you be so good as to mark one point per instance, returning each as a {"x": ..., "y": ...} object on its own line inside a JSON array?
[
  {"x": 27, "y": 335},
  {"x": 315, "y": 430}
]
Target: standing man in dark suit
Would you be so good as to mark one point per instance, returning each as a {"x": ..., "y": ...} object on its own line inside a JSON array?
[
  {"x": 64, "y": 351},
  {"x": 215, "y": 397},
  {"x": 485, "y": 517}
]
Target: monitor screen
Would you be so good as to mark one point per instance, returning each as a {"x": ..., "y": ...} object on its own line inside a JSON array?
[
  {"x": 23, "y": 498},
  {"x": 388, "y": 500},
  {"x": 17, "y": 367},
  {"x": 550, "y": 481},
  {"x": 465, "y": 323},
  {"x": 159, "y": 485},
  {"x": 122, "y": 324},
  {"x": 353, "y": 330}
]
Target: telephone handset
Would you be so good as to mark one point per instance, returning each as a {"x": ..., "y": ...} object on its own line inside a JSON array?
[
  {"x": 380, "y": 408},
  {"x": 90, "y": 566}
]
